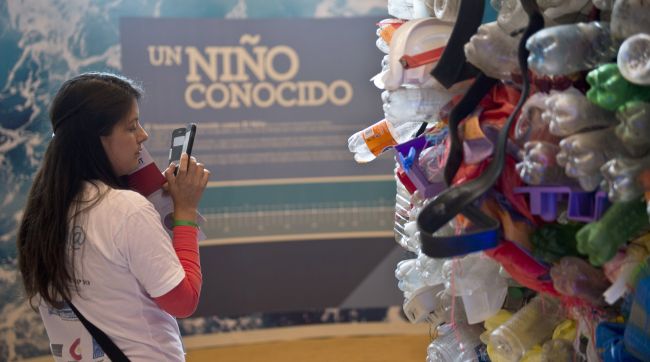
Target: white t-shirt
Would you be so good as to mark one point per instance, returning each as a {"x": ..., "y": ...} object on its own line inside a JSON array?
[{"x": 123, "y": 259}]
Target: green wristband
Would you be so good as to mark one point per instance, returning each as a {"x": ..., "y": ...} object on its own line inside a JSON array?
[{"x": 185, "y": 223}]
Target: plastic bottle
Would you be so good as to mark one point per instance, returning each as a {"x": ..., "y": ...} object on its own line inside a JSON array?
[
  {"x": 476, "y": 279},
  {"x": 634, "y": 127},
  {"x": 446, "y": 10},
  {"x": 414, "y": 104},
  {"x": 634, "y": 59},
  {"x": 493, "y": 51},
  {"x": 372, "y": 141},
  {"x": 459, "y": 344},
  {"x": 531, "y": 325},
  {"x": 569, "y": 112},
  {"x": 409, "y": 279},
  {"x": 566, "y": 49},
  {"x": 574, "y": 277},
  {"x": 630, "y": 17}
]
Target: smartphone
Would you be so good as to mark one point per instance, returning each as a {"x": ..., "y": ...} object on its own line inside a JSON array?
[{"x": 182, "y": 141}]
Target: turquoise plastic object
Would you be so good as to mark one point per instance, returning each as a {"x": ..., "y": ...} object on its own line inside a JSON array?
[
  {"x": 600, "y": 240},
  {"x": 637, "y": 330}
]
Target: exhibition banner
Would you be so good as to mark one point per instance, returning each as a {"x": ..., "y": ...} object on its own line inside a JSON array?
[{"x": 292, "y": 222}]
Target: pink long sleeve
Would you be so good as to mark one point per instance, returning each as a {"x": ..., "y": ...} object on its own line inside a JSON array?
[{"x": 182, "y": 301}]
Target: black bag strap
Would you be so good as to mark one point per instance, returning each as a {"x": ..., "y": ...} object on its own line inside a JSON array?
[
  {"x": 452, "y": 67},
  {"x": 108, "y": 346},
  {"x": 459, "y": 199}
]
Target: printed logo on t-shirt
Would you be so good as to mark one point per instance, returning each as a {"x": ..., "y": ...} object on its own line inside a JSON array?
[
  {"x": 64, "y": 313},
  {"x": 57, "y": 350},
  {"x": 75, "y": 350},
  {"x": 78, "y": 237},
  {"x": 97, "y": 350}
]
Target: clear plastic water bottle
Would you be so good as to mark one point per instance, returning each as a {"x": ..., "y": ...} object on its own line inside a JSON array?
[
  {"x": 459, "y": 344},
  {"x": 565, "y": 49},
  {"x": 408, "y": 277},
  {"x": 372, "y": 141},
  {"x": 634, "y": 59},
  {"x": 414, "y": 104},
  {"x": 533, "y": 324}
]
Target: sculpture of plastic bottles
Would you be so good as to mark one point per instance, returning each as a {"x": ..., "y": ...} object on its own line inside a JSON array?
[
  {"x": 414, "y": 104},
  {"x": 575, "y": 277},
  {"x": 633, "y": 59},
  {"x": 569, "y": 112},
  {"x": 583, "y": 154},
  {"x": 621, "y": 178},
  {"x": 493, "y": 51},
  {"x": 610, "y": 90},
  {"x": 630, "y": 17},
  {"x": 367, "y": 144},
  {"x": 601, "y": 239},
  {"x": 446, "y": 10},
  {"x": 566, "y": 49},
  {"x": 634, "y": 127},
  {"x": 531, "y": 325}
]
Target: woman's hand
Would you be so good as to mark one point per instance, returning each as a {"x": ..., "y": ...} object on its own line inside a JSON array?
[{"x": 186, "y": 187}]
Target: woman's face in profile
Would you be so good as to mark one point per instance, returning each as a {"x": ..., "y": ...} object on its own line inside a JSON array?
[{"x": 124, "y": 143}]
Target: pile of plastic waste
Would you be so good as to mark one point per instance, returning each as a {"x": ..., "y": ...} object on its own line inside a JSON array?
[{"x": 522, "y": 151}]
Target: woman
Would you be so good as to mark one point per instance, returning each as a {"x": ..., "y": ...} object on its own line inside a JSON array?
[{"x": 88, "y": 242}]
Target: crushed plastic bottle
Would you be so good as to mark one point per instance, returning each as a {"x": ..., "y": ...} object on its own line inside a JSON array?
[{"x": 372, "y": 141}]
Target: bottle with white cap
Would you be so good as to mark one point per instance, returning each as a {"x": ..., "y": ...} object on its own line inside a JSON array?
[{"x": 367, "y": 144}]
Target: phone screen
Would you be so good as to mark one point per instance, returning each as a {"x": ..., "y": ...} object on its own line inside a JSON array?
[{"x": 176, "y": 149}]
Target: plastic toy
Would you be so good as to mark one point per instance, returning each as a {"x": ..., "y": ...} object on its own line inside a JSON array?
[
  {"x": 610, "y": 90},
  {"x": 600, "y": 240}
]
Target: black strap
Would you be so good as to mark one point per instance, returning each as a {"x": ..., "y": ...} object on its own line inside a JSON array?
[
  {"x": 108, "y": 346},
  {"x": 459, "y": 199},
  {"x": 452, "y": 67}
]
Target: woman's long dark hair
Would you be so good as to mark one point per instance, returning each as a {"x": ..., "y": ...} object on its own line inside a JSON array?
[{"x": 85, "y": 108}]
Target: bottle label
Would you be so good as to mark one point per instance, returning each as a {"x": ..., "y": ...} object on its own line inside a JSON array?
[{"x": 378, "y": 137}]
